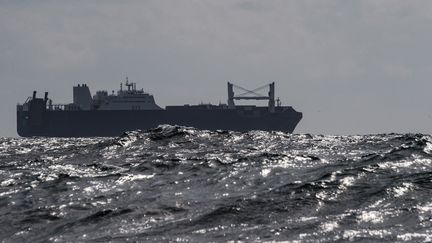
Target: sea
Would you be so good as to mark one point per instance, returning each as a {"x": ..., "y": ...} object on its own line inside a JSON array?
[{"x": 181, "y": 184}]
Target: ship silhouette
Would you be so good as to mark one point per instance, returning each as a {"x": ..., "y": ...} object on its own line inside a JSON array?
[{"x": 130, "y": 109}]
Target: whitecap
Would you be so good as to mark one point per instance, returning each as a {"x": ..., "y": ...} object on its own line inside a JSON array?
[
  {"x": 130, "y": 178},
  {"x": 374, "y": 217}
]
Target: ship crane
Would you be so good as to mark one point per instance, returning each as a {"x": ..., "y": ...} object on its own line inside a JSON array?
[{"x": 252, "y": 95}]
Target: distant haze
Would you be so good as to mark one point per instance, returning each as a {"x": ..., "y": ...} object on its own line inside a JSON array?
[{"x": 351, "y": 67}]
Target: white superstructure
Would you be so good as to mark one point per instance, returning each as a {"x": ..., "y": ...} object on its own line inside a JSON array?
[{"x": 129, "y": 99}]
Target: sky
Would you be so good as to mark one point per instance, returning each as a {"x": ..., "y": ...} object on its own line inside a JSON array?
[{"x": 351, "y": 67}]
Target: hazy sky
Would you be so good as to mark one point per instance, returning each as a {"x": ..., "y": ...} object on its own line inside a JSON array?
[{"x": 351, "y": 67}]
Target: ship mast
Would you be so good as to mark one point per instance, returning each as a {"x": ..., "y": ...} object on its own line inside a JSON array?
[{"x": 130, "y": 86}]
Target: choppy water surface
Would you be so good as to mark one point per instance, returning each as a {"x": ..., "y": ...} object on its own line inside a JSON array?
[{"x": 182, "y": 184}]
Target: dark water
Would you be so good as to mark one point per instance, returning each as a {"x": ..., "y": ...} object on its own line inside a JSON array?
[{"x": 183, "y": 184}]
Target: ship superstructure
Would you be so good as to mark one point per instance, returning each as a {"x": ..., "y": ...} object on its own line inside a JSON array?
[
  {"x": 125, "y": 99},
  {"x": 112, "y": 114}
]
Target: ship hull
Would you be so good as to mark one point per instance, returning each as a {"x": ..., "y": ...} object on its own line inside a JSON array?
[{"x": 100, "y": 123}]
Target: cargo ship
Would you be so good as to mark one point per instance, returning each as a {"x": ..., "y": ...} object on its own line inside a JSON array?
[{"x": 106, "y": 115}]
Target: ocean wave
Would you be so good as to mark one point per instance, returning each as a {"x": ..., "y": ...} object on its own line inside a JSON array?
[{"x": 175, "y": 183}]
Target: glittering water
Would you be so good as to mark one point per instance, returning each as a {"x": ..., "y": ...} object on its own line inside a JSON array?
[{"x": 182, "y": 184}]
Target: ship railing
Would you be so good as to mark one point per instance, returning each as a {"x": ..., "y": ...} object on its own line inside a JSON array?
[
  {"x": 51, "y": 107},
  {"x": 62, "y": 107}
]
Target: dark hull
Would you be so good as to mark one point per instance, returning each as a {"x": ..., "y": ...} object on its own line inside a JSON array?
[{"x": 63, "y": 123}]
